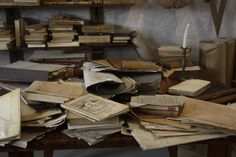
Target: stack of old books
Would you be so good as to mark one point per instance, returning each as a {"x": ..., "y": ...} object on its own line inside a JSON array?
[
  {"x": 24, "y": 71},
  {"x": 119, "y": 2},
  {"x": 93, "y": 118},
  {"x": 7, "y": 2},
  {"x": 63, "y": 31},
  {"x": 121, "y": 38},
  {"x": 27, "y": 2},
  {"x": 67, "y": 2},
  {"x": 27, "y": 118},
  {"x": 157, "y": 106},
  {"x": 173, "y": 56},
  {"x": 90, "y": 117},
  {"x": 91, "y": 132},
  {"x": 93, "y": 34},
  {"x": 6, "y": 37},
  {"x": 199, "y": 120},
  {"x": 36, "y": 35}
]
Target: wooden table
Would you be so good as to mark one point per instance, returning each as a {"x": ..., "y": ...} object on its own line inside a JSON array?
[{"x": 56, "y": 140}]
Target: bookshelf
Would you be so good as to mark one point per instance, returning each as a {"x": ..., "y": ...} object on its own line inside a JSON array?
[{"x": 96, "y": 17}]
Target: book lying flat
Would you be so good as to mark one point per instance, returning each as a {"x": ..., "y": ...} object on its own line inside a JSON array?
[
  {"x": 23, "y": 71},
  {"x": 192, "y": 87},
  {"x": 95, "y": 108}
]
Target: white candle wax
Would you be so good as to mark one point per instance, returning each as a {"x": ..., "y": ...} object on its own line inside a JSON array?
[{"x": 186, "y": 35}]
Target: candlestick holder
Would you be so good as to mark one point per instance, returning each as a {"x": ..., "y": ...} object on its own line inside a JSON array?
[{"x": 183, "y": 75}]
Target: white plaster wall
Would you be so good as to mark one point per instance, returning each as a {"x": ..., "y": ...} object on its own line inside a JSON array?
[{"x": 158, "y": 25}]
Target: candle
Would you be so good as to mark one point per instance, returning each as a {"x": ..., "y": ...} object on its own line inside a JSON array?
[{"x": 185, "y": 35}]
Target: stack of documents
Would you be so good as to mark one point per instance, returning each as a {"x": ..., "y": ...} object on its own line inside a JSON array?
[
  {"x": 54, "y": 92},
  {"x": 34, "y": 118},
  {"x": 63, "y": 31},
  {"x": 36, "y": 35},
  {"x": 27, "y": 2},
  {"x": 164, "y": 136},
  {"x": 173, "y": 56},
  {"x": 91, "y": 132},
  {"x": 119, "y": 38},
  {"x": 7, "y": 2},
  {"x": 6, "y": 38},
  {"x": 23, "y": 71},
  {"x": 66, "y": 2},
  {"x": 119, "y": 2},
  {"x": 46, "y": 118},
  {"x": 157, "y": 106},
  {"x": 199, "y": 120},
  {"x": 98, "y": 29},
  {"x": 94, "y": 34}
]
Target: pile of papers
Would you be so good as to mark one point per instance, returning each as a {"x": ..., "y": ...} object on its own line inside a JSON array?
[
  {"x": 63, "y": 31},
  {"x": 24, "y": 71},
  {"x": 121, "y": 38},
  {"x": 54, "y": 92},
  {"x": 27, "y": 2},
  {"x": 36, "y": 35},
  {"x": 199, "y": 120},
  {"x": 91, "y": 132},
  {"x": 119, "y": 2},
  {"x": 67, "y": 2},
  {"x": 103, "y": 78},
  {"x": 95, "y": 34},
  {"x": 90, "y": 117},
  {"x": 157, "y": 106},
  {"x": 172, "y": 56},
  {"x": 6, "y": 37}
]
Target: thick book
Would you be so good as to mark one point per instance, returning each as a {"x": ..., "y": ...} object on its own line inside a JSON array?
[
  {"x": 23, "y": 71},
  {"x": 141, "y": 112},
  {"x": 192, "y": 87}
]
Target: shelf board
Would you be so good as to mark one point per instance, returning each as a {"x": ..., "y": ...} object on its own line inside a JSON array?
[
  {"x": 82, "y": 47},
  {"x": 65, "y": 5}
]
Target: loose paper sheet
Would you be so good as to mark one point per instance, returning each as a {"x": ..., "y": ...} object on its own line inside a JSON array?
[{"x": 10, "y": 120}]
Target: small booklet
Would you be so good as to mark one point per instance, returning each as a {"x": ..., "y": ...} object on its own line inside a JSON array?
[{"x": 192, "y": 87}]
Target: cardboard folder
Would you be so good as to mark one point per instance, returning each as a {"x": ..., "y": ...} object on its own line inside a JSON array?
[
  {"x": 218, "y": 57},
  {"x": 23, "y": 71},
  {"x": 213, "y": 57}
]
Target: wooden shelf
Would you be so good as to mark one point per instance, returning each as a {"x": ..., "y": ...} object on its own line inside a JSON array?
[
  {"x": 96, "y": 17},
  {"x": 81, "y": 47},
  {"x": 66, "y": 5}
]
